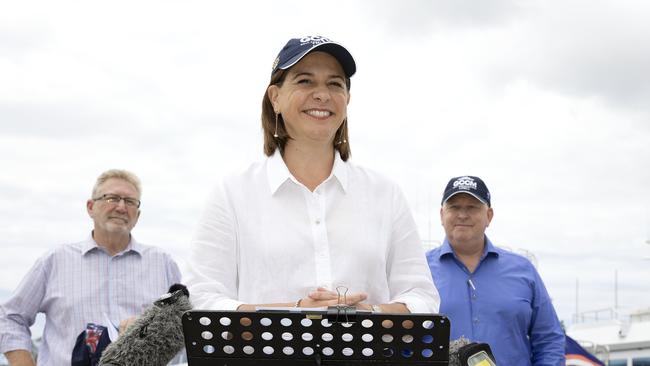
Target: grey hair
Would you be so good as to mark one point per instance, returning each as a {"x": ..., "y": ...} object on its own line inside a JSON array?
[{"x": 118, "y": 174}]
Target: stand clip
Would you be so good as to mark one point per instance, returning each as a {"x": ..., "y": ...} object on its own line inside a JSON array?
[{"x": 342, "y": 312}]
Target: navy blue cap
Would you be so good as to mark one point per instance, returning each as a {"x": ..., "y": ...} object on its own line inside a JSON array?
[
  {"x": 297, "y": 48},
  {"x": 467, "y": 184}
]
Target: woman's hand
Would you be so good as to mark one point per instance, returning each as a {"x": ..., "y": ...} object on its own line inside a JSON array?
[{"x": 323, "y": 297}]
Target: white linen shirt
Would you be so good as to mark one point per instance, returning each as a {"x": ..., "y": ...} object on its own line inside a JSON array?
[{"x": 266, "y": 238}]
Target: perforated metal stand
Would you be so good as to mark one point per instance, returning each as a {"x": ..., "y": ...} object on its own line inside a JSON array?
[{"x": 308, "y": 338}]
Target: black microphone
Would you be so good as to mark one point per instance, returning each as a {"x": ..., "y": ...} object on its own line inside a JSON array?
[
  {"x": 463, "y": 352},
  {"x": 155, "y": 337}
]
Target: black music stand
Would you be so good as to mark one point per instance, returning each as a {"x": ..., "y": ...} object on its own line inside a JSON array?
[{"x": 311, "y": 337}]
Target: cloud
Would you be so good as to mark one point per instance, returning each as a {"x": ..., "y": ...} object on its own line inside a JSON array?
[
  {"x": 58, "y": 120},
  {"x": 584, "y": 49},
  {"x": 540, "y": 99},
  {"x": 419, "y": 18},
  {"x": 579, "y": 48},
  {"x": 18, "y": 40}
]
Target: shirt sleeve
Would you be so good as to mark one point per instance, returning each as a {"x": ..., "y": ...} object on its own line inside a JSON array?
[
  {"x": 409, "y": 277},
  {"x": 19, "y": 312},
  {"x": 173, "y": 272},
  {"x": 547, "y": 338},
  {"x": 212, "y": 265}
]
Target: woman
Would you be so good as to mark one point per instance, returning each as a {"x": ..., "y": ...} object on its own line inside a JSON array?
[{"x": 292, "y": 229}]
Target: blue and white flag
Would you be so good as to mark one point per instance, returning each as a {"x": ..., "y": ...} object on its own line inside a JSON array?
[{"x": 578, "y": 356}]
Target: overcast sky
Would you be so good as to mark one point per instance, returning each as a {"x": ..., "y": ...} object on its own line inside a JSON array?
[{"x": 547, "y": 101}]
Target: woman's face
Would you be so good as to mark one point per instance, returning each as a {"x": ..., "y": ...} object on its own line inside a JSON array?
[{"x": 313, "y": 99}]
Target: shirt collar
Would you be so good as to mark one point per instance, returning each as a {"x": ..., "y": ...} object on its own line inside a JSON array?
[
  {"x": 446, "y": 249},
  {"x": 489, "y": 248},
  {"x": 277, "y": 172},
  {"x": 340, "y": 171},
  {"x": 90, "y": 244}
]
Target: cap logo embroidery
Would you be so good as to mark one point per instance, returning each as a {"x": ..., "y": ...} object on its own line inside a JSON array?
[
  {"x": 314, "y": 40},
  {"x": 465, "y": 183}
]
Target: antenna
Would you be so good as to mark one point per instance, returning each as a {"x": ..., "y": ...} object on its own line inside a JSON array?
[
  {"x": 647, "y": 240},
  {"x": 577, "y": 286},
  {"x": 616, "y": 290}
]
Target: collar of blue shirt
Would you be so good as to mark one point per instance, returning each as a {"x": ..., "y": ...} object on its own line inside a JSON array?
[{"x": 490, "y": 249}]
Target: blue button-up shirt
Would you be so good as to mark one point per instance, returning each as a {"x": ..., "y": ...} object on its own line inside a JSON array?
[{"x": 503, "y": 303}]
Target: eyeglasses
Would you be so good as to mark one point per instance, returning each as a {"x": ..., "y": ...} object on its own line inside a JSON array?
[{"x": 113, "y": 199}]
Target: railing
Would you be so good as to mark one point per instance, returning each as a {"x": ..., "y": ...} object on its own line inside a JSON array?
[{"x": 598, "y": 315}]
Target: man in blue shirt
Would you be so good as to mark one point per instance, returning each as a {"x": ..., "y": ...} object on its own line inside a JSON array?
[{"x": 491, "y": 295}]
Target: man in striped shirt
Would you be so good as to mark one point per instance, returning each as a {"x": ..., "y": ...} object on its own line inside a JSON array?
[{"x": 107, "y": 279}]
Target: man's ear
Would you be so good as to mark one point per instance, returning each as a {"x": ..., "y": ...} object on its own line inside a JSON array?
[
  {"x": 490, "y": 214},
  {"x": 89, "y": 207},
  {"x": 441, "y": 216}
]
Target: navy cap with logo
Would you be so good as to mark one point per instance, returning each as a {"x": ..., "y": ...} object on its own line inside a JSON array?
[
  {"x": 467, "y": 184},
  {"x": 297, "y": 48}
]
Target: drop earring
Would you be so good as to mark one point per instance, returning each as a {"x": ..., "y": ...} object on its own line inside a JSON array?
[
  {"x": 275, "y": 134},
  {"x": 342, "y": 139}
]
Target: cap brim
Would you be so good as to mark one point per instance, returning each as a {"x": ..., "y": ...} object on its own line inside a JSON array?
[
  {"x": 339, "y": 52},
  {"x": 466, "y": 192}
]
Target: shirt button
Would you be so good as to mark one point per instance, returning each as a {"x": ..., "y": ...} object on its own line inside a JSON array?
[
  {"x": 475, "y": 320},
  {"x": 473, "y": 296},
  {"x": 317, "y": 221}
]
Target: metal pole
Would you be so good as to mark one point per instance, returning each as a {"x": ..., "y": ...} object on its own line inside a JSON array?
[
  {"x": 429, "y": 208},
  {"x": 616, "y": 291},
  {"x": 577, "y": 313}
]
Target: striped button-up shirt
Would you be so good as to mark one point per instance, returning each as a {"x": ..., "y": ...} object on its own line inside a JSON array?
[{"x": 81, "y": 283}]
